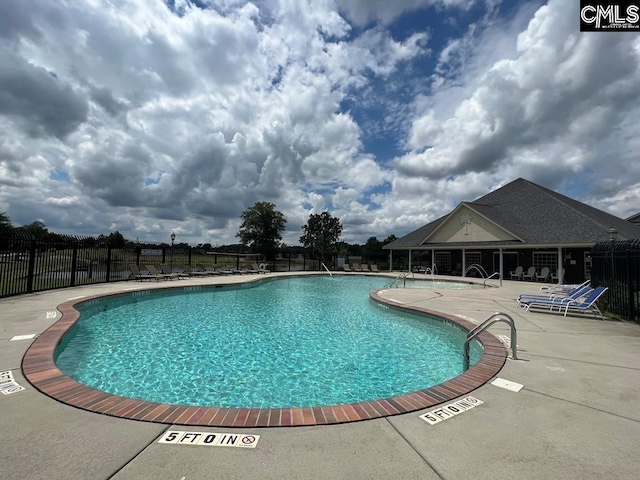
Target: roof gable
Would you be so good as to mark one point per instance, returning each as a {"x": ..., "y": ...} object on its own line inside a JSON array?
[
  {"x": 533, "y": 214},
  {"x": 466, "y": 224}
]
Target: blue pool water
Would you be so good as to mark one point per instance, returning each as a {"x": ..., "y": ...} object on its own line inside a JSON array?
[{"x": 290, "y": 342}]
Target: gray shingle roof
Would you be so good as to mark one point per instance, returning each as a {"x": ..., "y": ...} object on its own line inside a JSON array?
[{"x": 538, "y": 216}]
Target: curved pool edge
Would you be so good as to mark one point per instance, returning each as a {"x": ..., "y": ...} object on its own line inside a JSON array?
[{"x": 40, "y": 369}]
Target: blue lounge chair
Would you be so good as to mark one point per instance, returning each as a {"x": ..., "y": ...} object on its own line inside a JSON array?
[
  {"x": 555, "y": 297},
  {"x": 588, "y": 305}
]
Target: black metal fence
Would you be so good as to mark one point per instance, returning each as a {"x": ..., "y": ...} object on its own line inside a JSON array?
[
  {"x": 31, "y": 263},
  {"x": 616, "y": 265}
]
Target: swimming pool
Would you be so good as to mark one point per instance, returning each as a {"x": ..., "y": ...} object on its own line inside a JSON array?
[{"x": 291, "y": 342}]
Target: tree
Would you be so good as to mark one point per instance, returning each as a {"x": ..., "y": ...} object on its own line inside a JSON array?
[
  {"x": 5, "y": 221},
  {"x": 389, "y": 239},
  {"x": 116, "y": 240},
  {"x": 373, "y": 248},
  {"x": 321, "y": 234},
  {"x": 261, "y": 228},
  {"x": 37, "y": 229}
]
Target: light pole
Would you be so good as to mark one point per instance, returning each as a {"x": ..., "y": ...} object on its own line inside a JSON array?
[
  {"x": 613, "y": 235},
  {"x": 173, "y": 238}
]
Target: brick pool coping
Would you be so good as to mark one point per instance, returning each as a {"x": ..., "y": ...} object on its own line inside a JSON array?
[{"x": 40, "y": 369}]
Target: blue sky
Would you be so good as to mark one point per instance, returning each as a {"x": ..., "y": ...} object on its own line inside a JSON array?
[{"x": 154, "y": 116}]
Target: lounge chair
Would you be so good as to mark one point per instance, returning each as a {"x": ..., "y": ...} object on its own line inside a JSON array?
[
  {"x": 262, "y": 268},
  {"x": 544, "y": 275},
  {"x": 154, "y": 271},
  {"x": 251, "y": 270},
  {"x": 554, "y": 300},
  {"x": 517, "y": 273},
  {"x": 365, "y": 267},
  {"x": 563, "y": 289},
  {"x": 556, "y": 296},
  {"x": 374, "y": 268},
  {"x": 555, "y": 277},
  {"x": 530, "y": 275},
  {"x": 138, "y": 275},
  {"x": 347, "y": 268},
  {"x": 193, "y": 273},
  {"x": 166, "y": 270},
  {"x": 356, "y": 267},
  {"x": 588, "y": 305}
]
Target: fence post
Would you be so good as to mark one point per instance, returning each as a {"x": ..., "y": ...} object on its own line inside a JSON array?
[
  {"x": 631, "y": 295},
  {"x": 289, "y": 261},
  {"x": 74, "y": 264},
  {"x": 189, "y": 262},
  {"x": 108, "y": 263},
  {"x": 32, "y": 266}
]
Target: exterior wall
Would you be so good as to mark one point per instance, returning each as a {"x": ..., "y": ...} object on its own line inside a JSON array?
[{"x": 478, "y": 229}]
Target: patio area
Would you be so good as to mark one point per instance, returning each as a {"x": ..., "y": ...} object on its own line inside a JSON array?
[{"x": 575, "y": 418}]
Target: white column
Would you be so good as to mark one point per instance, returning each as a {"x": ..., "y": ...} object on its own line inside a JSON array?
[
  {"x": 464, "y": 261},
  {"x": 410, "y": 252},
  {"x": 390, "y": 260},
  {"x": 501, "y": 266},
  {"x": 559, "y": 270},
  {"x": 433, "y": 260}
]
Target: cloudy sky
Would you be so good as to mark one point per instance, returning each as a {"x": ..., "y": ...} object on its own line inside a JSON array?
[{"x": 147, "y": 116}]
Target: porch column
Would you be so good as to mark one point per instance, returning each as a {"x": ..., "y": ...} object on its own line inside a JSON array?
[
  {"x": 410, "y": 252},
  {"x": 390, "y": 260},
  {"x": 433, "y": 260},
  {"x": 501, "y": 268},
  {"x": 559, "y": 269},
  {"x": 464, "y": 262}
]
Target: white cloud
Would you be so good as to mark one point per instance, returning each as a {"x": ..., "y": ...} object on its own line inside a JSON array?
[{"x": 143, "y": 120}]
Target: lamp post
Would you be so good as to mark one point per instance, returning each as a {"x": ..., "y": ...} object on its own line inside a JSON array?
[
  {"x": 173, "y": 238},
  {"x": 613, "y": 234}
]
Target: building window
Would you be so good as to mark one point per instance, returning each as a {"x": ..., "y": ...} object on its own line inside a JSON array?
[
  {"x": 443, "y": 261},
  {"x": 472, "y": 257},
  {"x": 545, "y": 259}
]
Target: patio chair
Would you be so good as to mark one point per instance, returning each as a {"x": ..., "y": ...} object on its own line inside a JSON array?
[
  {"x": 556, "y": 296},
  {"x": 138, "y": 275},
  {"x": 193, "y": 273},
  {"x": 544, "y": 275},
  {"x": 374, "y": 268},
  {"x": 154, "y": 271},
  {"x": 517, "y": 273},
  {"x": 531, "y": 274},
  {"x": 262, "y": 268},
  {"x": 249, "y": 270},
  {"x": 347, "y": 268},
  {"x": 365, "y": 267},
  {"x": 166, "y": 270},
  {"x": 555, "y": 277},
  {"x": 588, "y": 305},
  {"x": 554, "y": 300},
  {"x": 356, "y": 267}
]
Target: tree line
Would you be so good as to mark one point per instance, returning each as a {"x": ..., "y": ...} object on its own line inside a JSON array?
[{"x": 260, "y": 232}]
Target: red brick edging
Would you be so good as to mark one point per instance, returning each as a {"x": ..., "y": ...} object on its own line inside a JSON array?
[{"x": 40, "y": 370}]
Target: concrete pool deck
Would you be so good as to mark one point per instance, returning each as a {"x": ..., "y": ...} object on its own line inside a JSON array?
[{"x": 576, "y": 417}]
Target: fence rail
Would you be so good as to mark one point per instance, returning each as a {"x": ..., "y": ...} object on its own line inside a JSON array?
[
  {"x": 616, "y": 265},
  {"x": 31, "y": 263}
]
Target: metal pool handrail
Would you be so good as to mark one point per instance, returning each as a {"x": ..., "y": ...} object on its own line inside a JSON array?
[
  {"x": 496, "y": 317},
  {"x": 325, "y": 267}
]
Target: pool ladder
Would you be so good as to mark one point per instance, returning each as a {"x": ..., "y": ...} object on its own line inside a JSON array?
[
  {"x": 496, "y": 317},
  {"x": 395, "y": 282}
]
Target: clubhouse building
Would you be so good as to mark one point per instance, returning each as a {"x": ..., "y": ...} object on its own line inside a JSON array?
[{"x": 521, "y": 224}]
